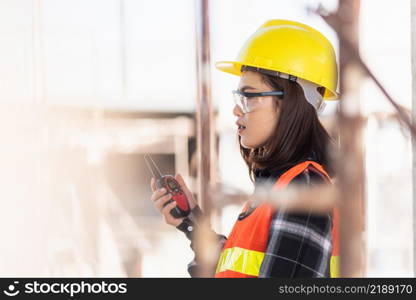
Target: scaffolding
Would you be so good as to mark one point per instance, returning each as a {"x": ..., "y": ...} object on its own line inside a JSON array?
[
  {"x": 103, "y": 215},
  {"x": 349, "y": 192}
]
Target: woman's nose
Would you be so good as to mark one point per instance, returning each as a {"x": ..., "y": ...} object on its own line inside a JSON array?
[{"x": 237, "y": 111}]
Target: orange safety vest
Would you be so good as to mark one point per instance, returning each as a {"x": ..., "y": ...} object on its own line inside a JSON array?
[{"x": 244, "y": 250}]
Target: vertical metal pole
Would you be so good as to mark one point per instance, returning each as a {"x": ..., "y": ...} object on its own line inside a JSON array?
[
  {"x": 413, "y": 58},
  {"x": 350, "y": 163},
  {"x": 204, "y": 111},
  {"x": 206, "y": 243}
]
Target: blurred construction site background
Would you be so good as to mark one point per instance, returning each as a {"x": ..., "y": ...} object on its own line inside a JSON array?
[{"x": 87, "y": 87}]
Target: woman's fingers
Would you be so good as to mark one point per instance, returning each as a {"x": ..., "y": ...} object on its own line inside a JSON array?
[
  {"x": 166, "y": 210},
  {"x": 182, "y": 183},
  {"x": 153, "y": 184},
  {"x": 159, "y": 203},
  {"x": 164, "y": 203},
  {"x": 157, "y": 194}
]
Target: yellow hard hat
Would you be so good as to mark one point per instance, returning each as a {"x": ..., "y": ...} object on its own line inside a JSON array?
[{"x": 292, "y": 48}]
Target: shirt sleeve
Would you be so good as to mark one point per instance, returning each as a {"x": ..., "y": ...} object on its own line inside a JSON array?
[
  {"x": 299, "y": 244},
  {"x": 188, "y": 226},
  {"x": 194, "y": 267}
]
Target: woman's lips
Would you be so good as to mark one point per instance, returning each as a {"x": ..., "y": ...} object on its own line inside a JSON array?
[{"x": 241, "y": 129}]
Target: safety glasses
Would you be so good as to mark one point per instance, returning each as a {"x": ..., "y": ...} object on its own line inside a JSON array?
[{"x": 248, "y": 102}]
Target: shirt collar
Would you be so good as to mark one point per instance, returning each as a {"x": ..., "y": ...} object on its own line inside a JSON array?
[{"x": 273, "y": 173}]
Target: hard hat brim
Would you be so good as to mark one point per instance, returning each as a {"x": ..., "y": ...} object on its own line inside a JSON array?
[{"x": 234, "y": 67}]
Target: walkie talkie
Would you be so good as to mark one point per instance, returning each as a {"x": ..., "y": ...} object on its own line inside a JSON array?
[{"x": 172, "y": 186}]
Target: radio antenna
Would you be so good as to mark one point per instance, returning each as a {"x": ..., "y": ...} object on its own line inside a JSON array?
[{"x": 152, "y": 167}]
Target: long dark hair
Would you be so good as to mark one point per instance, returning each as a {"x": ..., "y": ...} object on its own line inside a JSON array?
[{"x": 299, "y": 132}]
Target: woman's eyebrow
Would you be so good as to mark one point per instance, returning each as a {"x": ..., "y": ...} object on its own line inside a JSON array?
[{"x": 247, "y": 87}]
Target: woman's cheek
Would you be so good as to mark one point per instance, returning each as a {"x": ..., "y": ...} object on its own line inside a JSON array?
[
  {"x": 261, "y": 136},
  {"x": 254, "y": 137},
  {"x": 260, "y": 127}
]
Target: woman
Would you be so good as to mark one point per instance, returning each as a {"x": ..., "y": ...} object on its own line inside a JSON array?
[{"x": 286, "y": 70}]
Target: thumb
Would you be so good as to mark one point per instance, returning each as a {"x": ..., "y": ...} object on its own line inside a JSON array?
[
  {"x": 185, "y": 189},
  {"x": 183, "y": 185}
]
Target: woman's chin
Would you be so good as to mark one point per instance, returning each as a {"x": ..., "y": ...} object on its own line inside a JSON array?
[{"x": 246, "y": 144}]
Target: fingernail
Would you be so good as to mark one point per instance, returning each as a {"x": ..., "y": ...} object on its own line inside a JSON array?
[{"x": 163, "y": 190}]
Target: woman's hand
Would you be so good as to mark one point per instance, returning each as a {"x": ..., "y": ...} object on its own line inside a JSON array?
[{"x": 160, "y": 197}]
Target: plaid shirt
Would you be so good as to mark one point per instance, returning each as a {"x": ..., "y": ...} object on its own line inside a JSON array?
[{"x": 299, "y": 245}]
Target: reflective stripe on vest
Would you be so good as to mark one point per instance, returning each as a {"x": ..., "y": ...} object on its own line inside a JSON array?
[
  {"x": 240, "y": 260},
  {"x": 335, "y": 245},
  {"x": 243, "y": 252}
]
